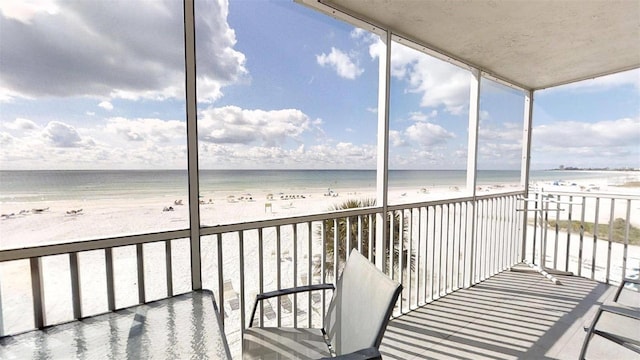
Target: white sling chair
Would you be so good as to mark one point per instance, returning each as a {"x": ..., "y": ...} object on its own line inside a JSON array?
[{"x": 355, "y": 322}]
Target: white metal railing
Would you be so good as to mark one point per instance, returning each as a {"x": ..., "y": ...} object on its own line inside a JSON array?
[
  {"x": 589, "y": 234},
  {"x": 432, "y": 248}
]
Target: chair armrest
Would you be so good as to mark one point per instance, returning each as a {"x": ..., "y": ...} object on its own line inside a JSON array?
[
  {"x": 364, "y": 354},
  {"x": 627, "y": 311},
  {"x": 281, "y": 292},
  {"x": 294, "y": 290}
]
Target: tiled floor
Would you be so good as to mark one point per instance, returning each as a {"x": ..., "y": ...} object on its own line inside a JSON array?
[{"x": 512, "y": 315}]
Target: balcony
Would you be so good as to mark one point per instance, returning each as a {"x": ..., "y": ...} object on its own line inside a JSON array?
[
  {"x": 459, "y": 295},
  {"x": 485, "y": 275}
]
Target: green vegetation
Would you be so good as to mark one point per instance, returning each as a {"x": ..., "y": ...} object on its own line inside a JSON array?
[
  {"x": 330, "y": 228},
  {"x": 618, "y": 231},
  {"x": 630, "y": 184}
]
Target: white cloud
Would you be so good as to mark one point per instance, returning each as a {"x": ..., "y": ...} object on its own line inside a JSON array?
[
  {"x": 233, "y": 125},
  {"x": 420, "y": 116},
  {"x": 20, "y": 124},
  {"x": 396, "y": 139},
  {"x": 25, "y": 10},
  {"x": 603, "y": 83},
  {"x": 342, "y": 63},
  {"x": 599, "y": 135},
  {"x": 106, "y": 105},
  {"x": 152, "y": 131},
  {"x": 106, "y": 49},
  {"x": 427, "y": 134},
  {"x": 438, "y": 82},
  {"x": 608, "y": 143},
  {"x": 62, "y": 135}
]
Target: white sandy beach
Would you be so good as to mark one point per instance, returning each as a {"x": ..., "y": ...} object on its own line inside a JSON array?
[{"x": 102, "y": 218}]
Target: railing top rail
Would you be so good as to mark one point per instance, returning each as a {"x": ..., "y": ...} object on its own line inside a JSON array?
[
  {"x": 88, "y": 245},
  {"x": 593, "y": 194},
  {"x": 98, "y": 244}
]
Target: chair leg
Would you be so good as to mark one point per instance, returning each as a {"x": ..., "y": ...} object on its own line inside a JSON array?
[
  {"x": 619, "y": 290},
  {"x": 583, "y": 351},
  {"x": 624, "y": 281}
]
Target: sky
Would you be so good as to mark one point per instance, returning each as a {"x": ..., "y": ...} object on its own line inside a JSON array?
[{"x": 100, "y": 85}]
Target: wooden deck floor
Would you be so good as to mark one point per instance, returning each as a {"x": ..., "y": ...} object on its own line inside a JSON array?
[{"x": 512, "y": 315}]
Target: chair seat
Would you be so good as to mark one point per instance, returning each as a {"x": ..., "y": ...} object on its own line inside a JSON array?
[{"x": 284, "y": 343}]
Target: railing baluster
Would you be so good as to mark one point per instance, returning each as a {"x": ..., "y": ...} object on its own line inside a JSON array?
[
  {"x": 409, "y": 255},
  {"x": 401, "y": 253},
  {"x": 455, "y": 280},
  {"x": 582, "y": 216},
  {"x": 323, "y": 271},
  {"x": 2, "y": 333},
  {"x": 309, "y": 272},
  {"x": 371, "y": 217},
  {"x": 336, "y": 249},
  {"x": 482, "y": 240},
  {"x": 446, "y": 251},
  {"x": 37, "y": 292},
  {"x": 261, "y": 271},
  {"x": 433, "y": 255},
  {"x": 347, "y": 222},
  {"x": 391, "y": 214},
  {"x": 168, "y": 267},
  {"x": 278, "y": 276},
  {"x": 417, "y": 226},
  {"x": 489, "y": 234},
  {"x": 610, "y": 240},
  {"x": 140, "y": 268},
  {"x": 465, "y": 255},
  {"x": 295, "y": 274},
  {"x": 440, "y": 243},
  {"x": 557, "y": 234},
  {"x": 595, "y": 240},
  {"x": 359, "y": 237},
  {"x": 75, "y": 285},
  {"x": 242, "y": 288},
  {"x": 626, "y": 240},
  {"x": 536, "y": 214},
  {"x": 220, "y": 278},
  {"x": 501, "y": 243},
  {"x": 111, "y": 292},
  {"x": 569, "y": 231},
  {"x": 417, "y": 251}
]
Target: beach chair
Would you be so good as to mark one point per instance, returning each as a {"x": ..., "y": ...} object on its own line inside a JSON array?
[
  {"x": 355, "y": 321},
  {"x": 615, "y": 309}
]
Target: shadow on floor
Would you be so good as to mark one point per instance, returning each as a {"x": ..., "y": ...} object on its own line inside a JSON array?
[{"x": 512, "y": 315}]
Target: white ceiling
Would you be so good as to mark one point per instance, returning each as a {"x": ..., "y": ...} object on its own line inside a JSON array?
[{"x": 533, "y": 44}]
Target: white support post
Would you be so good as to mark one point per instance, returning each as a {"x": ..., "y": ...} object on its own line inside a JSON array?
[
  {"x": 382, "y": 178},
  {"x": 526, "y": 165},
  {"x": 474, "y": 122},
  {"x": 472, "y": 160},
  {"x": 192, "y": 141}
]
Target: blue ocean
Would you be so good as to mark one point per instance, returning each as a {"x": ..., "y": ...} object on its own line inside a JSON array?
[{"x": 51, "y": 185}]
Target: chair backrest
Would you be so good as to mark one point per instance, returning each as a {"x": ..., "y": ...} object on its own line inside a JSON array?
[{"x": 361, "y": 306}]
